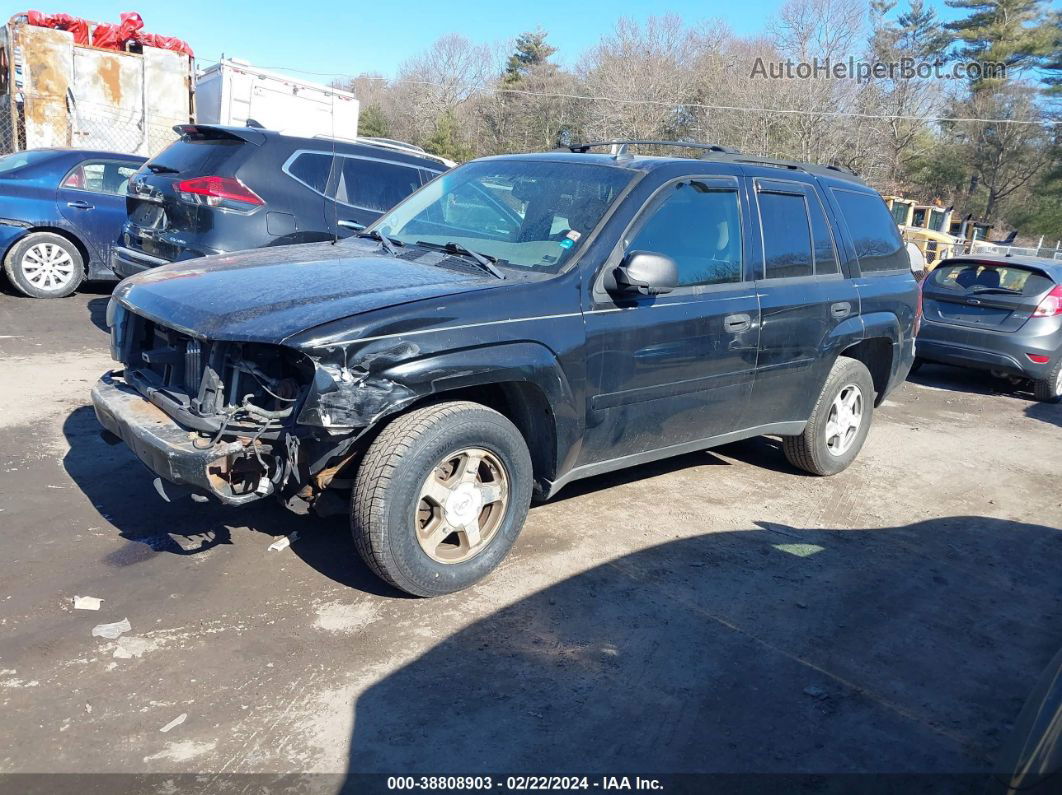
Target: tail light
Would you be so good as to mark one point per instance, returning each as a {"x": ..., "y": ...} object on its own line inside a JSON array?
[
  {"x": 1051, "y": 305},
  {"x": 225, "y": 192},
  {"x": 1038, "y": 358}
]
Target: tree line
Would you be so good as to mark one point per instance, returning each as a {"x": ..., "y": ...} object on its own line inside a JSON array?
[{"x": 971, "y": 122}]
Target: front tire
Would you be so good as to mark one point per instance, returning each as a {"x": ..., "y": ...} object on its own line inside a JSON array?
[
  {"x": 44, "y": 265},
  {"x": 1049, "y": 390},
  {"x": 440, "y": 497},
  {"x": 839, "y": 422}
]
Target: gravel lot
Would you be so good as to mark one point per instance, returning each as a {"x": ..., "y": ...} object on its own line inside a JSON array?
[{"x": 716, "y": 612}]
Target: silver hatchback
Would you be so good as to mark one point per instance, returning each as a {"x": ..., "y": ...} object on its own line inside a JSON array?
[{"x": 996, "y": 313}]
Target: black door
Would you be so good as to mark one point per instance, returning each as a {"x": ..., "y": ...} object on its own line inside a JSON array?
[
  {"x": 674, "y": 368},
  {"x": 803, "y": 297}
]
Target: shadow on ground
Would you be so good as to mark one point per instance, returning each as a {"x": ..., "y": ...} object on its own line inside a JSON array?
[
  {"x": 961, "y": 379},
  {"x": 121, "y": 489},
  {"x": 772, "y": 650}
]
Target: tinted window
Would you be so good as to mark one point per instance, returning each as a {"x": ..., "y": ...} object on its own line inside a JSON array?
[
  {"x": 825, "y": 253},
  {"x": 203, "y": 157},
  {"x": 532, "y": 214},
  {"x": 786, "y": 235},
  {"x": 698, "y": 228},
  {"x": 874, "y": 233},
  {"x": 100, "y": 176},
  {"x": 974, "y": 277},
  {"x": 311, "y": 169},
  {"x": 374, "y": 184}
]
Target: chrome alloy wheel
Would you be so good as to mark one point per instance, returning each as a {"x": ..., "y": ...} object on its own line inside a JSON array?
[
  {"x": 845, "y": 417},
  {"x": 461, "y": 506},
  {"x": 48, "y": 266}
]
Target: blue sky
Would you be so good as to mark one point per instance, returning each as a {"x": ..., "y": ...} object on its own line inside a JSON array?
[{"x": 349, "y": 38}]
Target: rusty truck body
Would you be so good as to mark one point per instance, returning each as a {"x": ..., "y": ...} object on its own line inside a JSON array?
[{"x": 55, "y": 92}]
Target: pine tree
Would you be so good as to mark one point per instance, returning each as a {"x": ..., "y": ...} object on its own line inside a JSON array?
[
  {"x": 1016, "y": 33},
  {"x": 445, "y": 141},
  {"x": 372, "y": 123},
  {"x": 531, "y": 51}
]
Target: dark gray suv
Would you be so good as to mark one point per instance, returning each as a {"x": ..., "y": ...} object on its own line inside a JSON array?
[{"x": 996, "y": 313}]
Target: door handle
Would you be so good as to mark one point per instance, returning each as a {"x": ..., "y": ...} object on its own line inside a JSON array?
[
  {"x": 347, "y": 224},
  {"x": 737, "y": 323},
  {"x": 840, "y": 310},
  {"x": 79, "y": 205}
]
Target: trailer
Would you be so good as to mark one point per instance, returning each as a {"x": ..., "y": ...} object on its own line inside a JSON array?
[
  {"x": 232, "y": 92},
  {"x": 57, "y": 92}
]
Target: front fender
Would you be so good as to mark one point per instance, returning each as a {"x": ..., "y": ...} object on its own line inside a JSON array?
[{"x": 527, "y": 363}]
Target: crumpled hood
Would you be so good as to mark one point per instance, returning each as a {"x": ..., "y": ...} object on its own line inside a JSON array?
[{"x": 268, "y": 294}]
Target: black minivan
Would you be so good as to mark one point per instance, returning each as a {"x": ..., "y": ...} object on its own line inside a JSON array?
[{"x": 219, "y": 189}]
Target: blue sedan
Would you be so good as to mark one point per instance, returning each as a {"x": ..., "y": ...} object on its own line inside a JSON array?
[{"x": 61, "y": 210}]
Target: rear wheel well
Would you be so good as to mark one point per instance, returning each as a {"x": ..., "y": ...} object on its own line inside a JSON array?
[
  {"x": 63, "y": 233},
  {"x": 876, "y": 355}
]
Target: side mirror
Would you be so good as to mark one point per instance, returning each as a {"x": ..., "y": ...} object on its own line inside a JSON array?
[{"x": 646, "y": 272}]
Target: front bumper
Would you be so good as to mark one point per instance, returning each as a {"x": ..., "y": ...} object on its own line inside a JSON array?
[{"x": 165, "y": 447}]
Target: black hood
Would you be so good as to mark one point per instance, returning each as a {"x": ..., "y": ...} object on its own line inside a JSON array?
[{"x": 266, "y": 295}]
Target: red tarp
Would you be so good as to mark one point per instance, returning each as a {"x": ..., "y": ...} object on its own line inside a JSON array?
[
  {"x": 77, "y": 26},
  {"x": 111, "y": 37}
]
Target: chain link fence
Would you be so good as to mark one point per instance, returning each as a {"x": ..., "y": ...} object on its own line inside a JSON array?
[{"x": 33, "y": 121}]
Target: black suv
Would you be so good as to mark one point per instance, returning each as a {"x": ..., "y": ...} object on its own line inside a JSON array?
[
  {"x": 219, "y": 189},
  {"x": 518, "y": 323}
]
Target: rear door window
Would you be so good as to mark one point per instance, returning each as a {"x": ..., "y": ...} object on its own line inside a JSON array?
[
  {"x": 873, "y": 230},
  {"x": 100, "y": 176},
  {"x": 371, "y": 184},
  {"x": 786, "y": 235}
]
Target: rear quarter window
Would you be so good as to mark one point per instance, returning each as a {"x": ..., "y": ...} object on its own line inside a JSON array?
[
  {"x": 874, "y": 233},
  {"x": 375, "y": 185}
]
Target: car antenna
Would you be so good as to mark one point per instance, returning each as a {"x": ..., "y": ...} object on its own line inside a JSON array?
[{"x": 335, "y": 204}]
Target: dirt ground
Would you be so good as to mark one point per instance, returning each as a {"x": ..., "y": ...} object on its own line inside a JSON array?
[{"x": 717, "y": 612}]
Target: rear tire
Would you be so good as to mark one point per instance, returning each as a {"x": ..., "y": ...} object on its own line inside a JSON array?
[
  {"x": 839, "y": 423},
  {"x": 440, "y": 497},
  {"x": 1049, "y": 390},
  {"x": 44, "y": 265}
]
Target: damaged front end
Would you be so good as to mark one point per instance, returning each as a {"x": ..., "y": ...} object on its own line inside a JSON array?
[{"x": 238, "y": 421}]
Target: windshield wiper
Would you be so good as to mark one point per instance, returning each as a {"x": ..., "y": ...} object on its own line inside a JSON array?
[
  {"x": 387, "y": 243},
  {"x": 485, "y": 261},
  {"x": 1006, "y": 290}
]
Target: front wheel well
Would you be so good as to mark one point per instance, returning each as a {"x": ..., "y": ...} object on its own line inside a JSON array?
[
  {"x": 876, "y": 354},
  {"x": 525, "y": 406}
]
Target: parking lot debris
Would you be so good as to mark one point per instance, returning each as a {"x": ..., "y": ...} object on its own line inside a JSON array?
[
  {"x": 284, "y": 542},
  {"x": 131, "y": 646},
  {"x": 175, "y": 722},
  {"x": 87, "y": 603},
  {"x": 111, "y": 631}
]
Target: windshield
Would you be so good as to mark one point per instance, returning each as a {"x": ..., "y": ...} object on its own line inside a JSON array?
[
  {"x": 529, "y": 214},
  {"x": 17, "y": 160}
]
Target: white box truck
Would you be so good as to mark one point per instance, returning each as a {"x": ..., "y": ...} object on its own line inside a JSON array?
[{"x": 232, "y": 92}]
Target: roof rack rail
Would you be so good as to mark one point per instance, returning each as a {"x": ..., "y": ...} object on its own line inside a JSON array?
[
  {"x": 793, "y": 165},
  {"x": 619, "y": 146}
]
